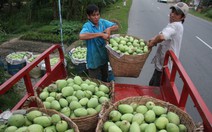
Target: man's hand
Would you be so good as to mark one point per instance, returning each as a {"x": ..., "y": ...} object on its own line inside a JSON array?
[
  {"x": 149, "y": 44},
  {"x": 105, "y": 36}
]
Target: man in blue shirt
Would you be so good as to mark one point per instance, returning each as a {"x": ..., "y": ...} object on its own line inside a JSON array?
[{"x": 95, "y": 32}]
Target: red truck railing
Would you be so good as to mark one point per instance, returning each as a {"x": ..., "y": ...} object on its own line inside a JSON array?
[
  {"x": 171, "y": 94},
  {"x": 52, "y": 74}
]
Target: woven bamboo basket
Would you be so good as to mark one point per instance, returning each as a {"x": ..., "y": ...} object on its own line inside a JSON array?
[
  {"x": 184, "y": 117},
  {"x": 51, "y": 112},
  {"x": 127, "y": 65},
  {"x": 86, "y": 123}
]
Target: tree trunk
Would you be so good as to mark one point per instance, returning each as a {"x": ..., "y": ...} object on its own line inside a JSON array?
[{"x": 55, "y": 9}]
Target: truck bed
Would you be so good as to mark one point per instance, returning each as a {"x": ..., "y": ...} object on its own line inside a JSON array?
[{"x": 167, "y": 91}]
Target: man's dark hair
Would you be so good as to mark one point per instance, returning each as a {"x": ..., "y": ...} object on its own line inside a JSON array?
[
  {"x": 91, "y": 9},
  {"x": 179, "y": 12}
]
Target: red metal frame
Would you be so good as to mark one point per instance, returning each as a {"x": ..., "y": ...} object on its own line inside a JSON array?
[
  {"x": 52, "y": 74},
  {"x": 172, "y": 95}
]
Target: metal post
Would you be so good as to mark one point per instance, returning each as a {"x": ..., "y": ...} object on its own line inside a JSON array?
[{"x": 61, "y": 30}]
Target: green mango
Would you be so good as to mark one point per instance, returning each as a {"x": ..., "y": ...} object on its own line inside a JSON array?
[
  {"x": 44, "y": 121},
  {"x": 11, "y": 129},
  {"x": 138, "y": 117},
  {"x": 43, "y": 95},
  {"x": 163, "y": 130},
  {"x": 127, "y": 117},
  {"x": 35, "y": 128},
  {"x": 47, "y": 104},
  {"x": 98, "y": 108},
  {"x": 52, "y": 88},
  {"x": 107, "y": 124},
  {"x": 78, "y": 80},
  {"x": 141, "y": 109},
  {"x": 55, "y": 118},
  {"x": 171, "y": 127},
  {"x": 150, "y": 105},
  {"x": 173, "y": 118},
  {"x": 182, "y": 128},
  {"x": 22, "y": 129},
  {"x": 63, "y": 102},
  {"x": 84, "y": 86},
  {"x": 103, "y": 99},
  {"x": 2, "y": 127},
  {"x": 134, "y": 105},
  {"x": 149, "y": 116},
  {"x": 159, "y": 110},
  {"x": 70, "y": 130},
  {"x": 55, "y": 105},
  {"x": 79, "y": 112},
  {"x": 125, "y": 108},
  {"x": 104, "y": 88},
  {"x": 17, "y": 120},
  {"x": 61, "y": 126},
  {"x": 114, "y": 128},
  {"x": 67, "y": 91},
  {"x": 151, "y": 128},
  {"x": 124, "y": 126},
  {"x": 61, "y": 84},
  {"x": 50, "y": 99},
  {"x": 143, "y": 127},
  {"x": 80, "y": 94},
  {"x": 84, "y": 101},
  {"x": 66, "y": 111},
  {"x": 114, "y": 115},
  {"x": 74, "y": 105},
  {"x": 161, "y": 122},
  {"x": 134, "y": 127},
  {"x": 92, "y": 103},
  {"x": 27, "y": 121},
  {"x": 91, "y": 111},
  {"x": 76, "y": 87},
  {"x": 70, "y": 80}
]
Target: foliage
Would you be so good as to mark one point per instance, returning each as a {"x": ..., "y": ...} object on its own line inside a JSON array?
[
  {"x": 9, "y": 99},
  {"x": 208, "y": 13},
  {"x": 51, "y": 32},
  {"x": 119, "y": 14},
  {"x": 201, "y": 14}
]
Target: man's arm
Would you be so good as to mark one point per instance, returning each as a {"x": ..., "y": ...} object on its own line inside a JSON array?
[
  {"x": 86, "y": 36},
  {"x": 157, "y": 39},
  {"x": 112, "y": 28}
]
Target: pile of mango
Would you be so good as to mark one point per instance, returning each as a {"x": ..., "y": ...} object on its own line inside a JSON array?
[
  {"x": 143, "y": 118},
  {"x": 79, "y": 53},
  {"x": 128, "y": 45},
  {"x": 75, "y": 97},
  {"x": 36, "y": 121}
]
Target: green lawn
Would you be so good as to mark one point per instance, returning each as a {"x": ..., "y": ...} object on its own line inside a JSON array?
[
  {"x": 118, "y": 12},
  {"x": 200, "y": 15}
]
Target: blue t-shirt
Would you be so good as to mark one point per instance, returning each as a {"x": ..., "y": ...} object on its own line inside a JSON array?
[{"x": 96, "y": 51}]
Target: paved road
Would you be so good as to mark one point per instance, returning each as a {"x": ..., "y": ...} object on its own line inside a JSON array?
[{"x": 147, "y": 18}]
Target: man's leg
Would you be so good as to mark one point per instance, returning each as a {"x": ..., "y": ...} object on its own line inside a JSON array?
[
  {"x": 93, "y": 73},
  {"x": 156, "y": 78},
  {"x": 104, "y": 72}
]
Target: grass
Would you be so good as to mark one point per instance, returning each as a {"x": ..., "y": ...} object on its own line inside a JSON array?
[
  {"x": 200, "y": 15},
  {"x": 119, "y": 13}
]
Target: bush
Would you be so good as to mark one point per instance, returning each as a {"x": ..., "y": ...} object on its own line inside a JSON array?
[
  {"x": 51, "y": 32},
  {"x": 209, "y": 13}
]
